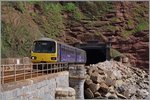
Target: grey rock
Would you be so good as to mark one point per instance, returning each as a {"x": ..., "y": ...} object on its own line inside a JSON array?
[
  {"x": 117, "y": 74},
  {"x": 120, "y": 89},
  {"x": 126, "y": 93},
  {"x": 120, "y": 78},
  {"x": 143, "y": 92},
  {"x": 110, "y": 81}
]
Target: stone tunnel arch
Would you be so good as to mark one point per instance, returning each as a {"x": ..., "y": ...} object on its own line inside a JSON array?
[{"x": 96, "y": 51}]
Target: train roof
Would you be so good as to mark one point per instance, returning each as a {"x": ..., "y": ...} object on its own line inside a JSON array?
[
  {"x": 45, "y": 39},
  {"x": 49, "y": 39}
]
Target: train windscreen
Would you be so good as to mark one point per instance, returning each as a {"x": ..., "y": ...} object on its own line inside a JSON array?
[{"x": 44, "y": 47}]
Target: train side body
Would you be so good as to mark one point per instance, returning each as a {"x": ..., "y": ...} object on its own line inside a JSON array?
[{"x": 63, "y": 53}]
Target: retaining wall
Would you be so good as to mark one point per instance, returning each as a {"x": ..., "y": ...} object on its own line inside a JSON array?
[{"x": 40, "y": 88}]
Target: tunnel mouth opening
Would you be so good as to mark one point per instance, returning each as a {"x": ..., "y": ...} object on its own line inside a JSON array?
[{"x": 95, "y": 55}]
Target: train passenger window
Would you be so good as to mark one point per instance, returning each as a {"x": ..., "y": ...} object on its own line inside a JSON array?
[{"x": 44, "y": 47}]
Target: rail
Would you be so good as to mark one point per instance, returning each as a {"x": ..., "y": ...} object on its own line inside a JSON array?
[{"x": 17, "y": 72}]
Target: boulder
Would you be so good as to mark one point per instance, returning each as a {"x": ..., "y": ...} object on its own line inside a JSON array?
[
  {"x": 118, "y": 80},
  {"x": 143, "y": 93},
  {"x": 92, "y": 70},
  {"x": 109, "y": 81},
  {"x": 121, "y": 96},
  {"x": 118, "y": 83},
  {"x": 117, "y": 74},
  {"x": 104, "y": 87},
  {"x": 88, "y": 94},
  {"x": 97, "y": 94},
  {"x": 111, "y": 96},
  {"x": 88, "y": 82},
  {"x": 111, "y": 89},
  {"x": 95, "y": 77},
  {"x": 125, "y": 59},
  {"x": 94, "y": 87}
]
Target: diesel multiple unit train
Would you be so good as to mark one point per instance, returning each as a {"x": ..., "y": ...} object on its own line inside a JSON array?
[{"x": 46, "y": 50}]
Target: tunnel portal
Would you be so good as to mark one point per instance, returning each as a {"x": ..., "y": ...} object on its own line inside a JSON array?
[
  {"x": 96, "y": 51},
  {"x": 95, "y": 55}
]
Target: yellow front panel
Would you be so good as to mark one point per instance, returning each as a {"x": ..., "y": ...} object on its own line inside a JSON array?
[{"x": 43, "y": 57}]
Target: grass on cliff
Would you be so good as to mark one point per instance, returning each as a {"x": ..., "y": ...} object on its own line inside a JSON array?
[
  {"x": 72, "y": 8},
  {"x": 49, "y": 19},
  {"x": 15, "y": 41},
  {"x": 94, "y": 9},
  {"x": 142, "y": 25},
  {"x": 115, "y": 53}
]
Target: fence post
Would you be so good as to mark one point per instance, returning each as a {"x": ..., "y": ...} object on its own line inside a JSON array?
[
  {"x": 31, "y": 69},
  {"x": 2, "y": 74},
  {"x": 15, "y": 72},
  {"x": 23, "y": 72}
]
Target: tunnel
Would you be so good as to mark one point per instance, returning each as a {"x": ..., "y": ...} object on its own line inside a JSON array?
[
  {"x": 95, "y": 51},
  {"x": 95, "y": 55}
]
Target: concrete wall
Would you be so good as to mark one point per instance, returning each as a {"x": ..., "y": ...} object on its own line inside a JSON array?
[
  {"x": 40, "y": 88},
  {"x": 76, "y": 79}
]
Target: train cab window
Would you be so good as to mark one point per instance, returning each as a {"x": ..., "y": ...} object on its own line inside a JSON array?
[{"x": 44, "y": 47}]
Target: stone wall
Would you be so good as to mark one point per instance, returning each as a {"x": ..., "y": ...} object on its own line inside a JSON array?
[{"x": 40, "y": 88}]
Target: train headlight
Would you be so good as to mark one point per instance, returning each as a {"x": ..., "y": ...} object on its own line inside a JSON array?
[
  {"x": 53, "y": 58},
  {"x": 33, "y": 57}
]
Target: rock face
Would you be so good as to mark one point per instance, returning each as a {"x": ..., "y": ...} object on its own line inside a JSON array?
[
  {"x": 120, "y": 25},
  {"x": 115, "y": 80}
]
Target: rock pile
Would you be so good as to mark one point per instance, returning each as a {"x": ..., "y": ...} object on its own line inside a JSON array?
[{"x": 114, "y": 80}]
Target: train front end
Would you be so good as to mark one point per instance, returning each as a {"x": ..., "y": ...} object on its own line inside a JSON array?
[{"x": 44, "y": 51}]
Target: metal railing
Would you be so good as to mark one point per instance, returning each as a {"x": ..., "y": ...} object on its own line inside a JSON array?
[{"x": 17, "y": 72}]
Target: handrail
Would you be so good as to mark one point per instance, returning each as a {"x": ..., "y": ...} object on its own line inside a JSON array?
[{"x": 29, "y": 71}]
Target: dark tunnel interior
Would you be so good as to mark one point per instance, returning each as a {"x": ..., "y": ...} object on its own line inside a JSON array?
[{"x": 95, "y": 55}]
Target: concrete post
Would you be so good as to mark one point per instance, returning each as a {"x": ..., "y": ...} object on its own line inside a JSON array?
[{"x": 76, "y": 79}]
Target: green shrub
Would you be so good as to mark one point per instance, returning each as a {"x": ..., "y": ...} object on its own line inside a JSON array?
[
  {"x": 94, "y": 9},
  {"x": 33, "y": 2},
  {"x": 126, "y": 33},
  {"x": 53, "y": 25},
  {"x": 141, "y": 26},
  {"x": 78, "y": 15},
  {"x": 70, "y": 7},
  {"x": 21, "y": 6},
  {"x": 16, "y": 42},
  {"x": 114, "y": 53},
  {"x": 130, "y": 22}
]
